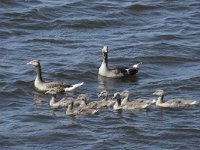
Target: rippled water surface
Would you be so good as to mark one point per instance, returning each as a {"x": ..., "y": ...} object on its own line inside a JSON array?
[{"x": 67, "y": 37}]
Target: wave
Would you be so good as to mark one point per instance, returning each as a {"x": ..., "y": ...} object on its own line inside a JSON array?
[
  {"x": 86, "y": 23},
  {"x": 140, "y": 7}
]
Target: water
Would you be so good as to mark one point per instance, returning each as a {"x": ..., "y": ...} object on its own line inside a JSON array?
[{"x": 67, "y": 37}]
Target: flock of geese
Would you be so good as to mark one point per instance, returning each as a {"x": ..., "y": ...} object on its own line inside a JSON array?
[{"x": 119, "y": 101}]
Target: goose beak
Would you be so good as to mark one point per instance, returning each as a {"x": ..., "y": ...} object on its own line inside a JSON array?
[{"x": 29, "y": 63}]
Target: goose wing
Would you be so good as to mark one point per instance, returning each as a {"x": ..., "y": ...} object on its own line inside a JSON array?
[
  {"x": 57, "y": 86},
  {"x": 124, "y": 71}
]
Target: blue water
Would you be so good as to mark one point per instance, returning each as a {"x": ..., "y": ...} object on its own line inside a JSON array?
[{"x": 67, "y": 38}]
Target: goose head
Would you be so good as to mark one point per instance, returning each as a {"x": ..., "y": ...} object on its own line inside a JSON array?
[
  {"x": 105, "y": 49},
  {"x": 159, "y": 93},
  {"x": 34, "y": 63},
  {"x": 105, "y": 54}
]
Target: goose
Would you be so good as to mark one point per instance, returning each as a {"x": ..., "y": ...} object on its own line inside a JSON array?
[
  {"x": 43, "y": 86},
  {"x": 128, "y": 106},
  {"x": 83, "y": 102},
  {"x": 173, "y": 103},
  {"x": 71, "y": 111},
  {"x": 104, "y": 103},
  {"x": 117, "y": 105},
  {"x": 116, "y": 72},
  {"x": 140, "y": 101},
  {"x": 64, "y": 102}
]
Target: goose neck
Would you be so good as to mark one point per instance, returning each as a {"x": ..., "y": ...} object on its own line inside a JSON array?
[
  {"x": 105, "y": 58},
  {"x": 38, "y": 73}
]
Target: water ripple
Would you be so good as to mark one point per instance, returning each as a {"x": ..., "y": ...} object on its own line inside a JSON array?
[{"x": 67, "y": 38}]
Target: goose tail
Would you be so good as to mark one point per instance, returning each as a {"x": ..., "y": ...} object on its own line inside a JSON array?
[
  {"x": 153, "y": 101},
  {"x": 194, "y": 103},
  {"x": 145, "y": 106},
  {"x": 74, "y": 86},
  {"x": 137, "y": 66},
  {"x": 95, "y": 111}
]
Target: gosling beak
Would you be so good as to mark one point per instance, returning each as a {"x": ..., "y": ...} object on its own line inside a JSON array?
[
  {"x": 99, "y": 95},
  {"x": 154, "y": 93}
]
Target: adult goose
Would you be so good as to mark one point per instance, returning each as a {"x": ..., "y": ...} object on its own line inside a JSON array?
[
  {"x": 173, "y": 103},
  {"x": 115, "y": 72},
  {"x": 41, "y": 85},
  {"x": 71, "y": 111}
]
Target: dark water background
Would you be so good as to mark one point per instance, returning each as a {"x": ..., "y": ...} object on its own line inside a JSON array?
[{"x": 67, "y": 37}]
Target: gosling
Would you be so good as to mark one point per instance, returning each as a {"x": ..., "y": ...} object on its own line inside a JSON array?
[
  {"x": 71, "y": 111},
  {"x": 173, "y": 103}
]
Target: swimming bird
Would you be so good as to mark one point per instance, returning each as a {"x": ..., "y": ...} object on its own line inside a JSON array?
[
  {"x": 173, "y": 103},
  {"x": 64, "y": 102},
  {"x": 140, "y": 101},
  {"x": 71, "y": 111},
  {"x": 43, "y": 86},
  {"x": 115, "y": 72},
  {"x": 117, "y": 105},
  {"x": 83, "y": 102},
  {"x": 105, "y": 102},
  {"x": 128, "y": 106},
  {"x": 98, "y": 104}
]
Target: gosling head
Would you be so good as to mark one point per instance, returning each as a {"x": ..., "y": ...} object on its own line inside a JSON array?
[
  {"x": 81, "y": 97},
  {"x": 34, "y": 63},
  {"x": 159, "y": 93},
  {"x": 103, "y": 94},
  {"x": 125, "y": 93}
]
